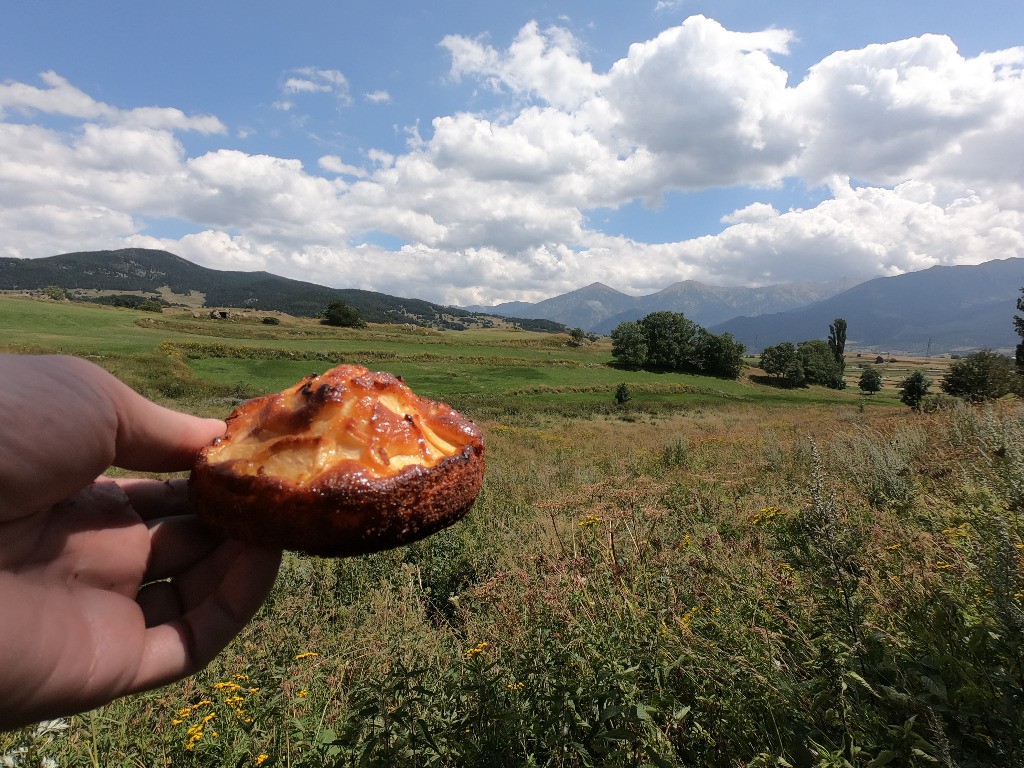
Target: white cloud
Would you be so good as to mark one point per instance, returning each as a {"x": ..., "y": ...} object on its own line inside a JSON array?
[
  {"x": 334, "y": 164},
  {"x": 378, "y": 97},
  {"x": 495, "y": 208},
  {"x": 62, "y": 98},
  {"x": 753, "y": 213},
  {"x": 307, "y": 80}
]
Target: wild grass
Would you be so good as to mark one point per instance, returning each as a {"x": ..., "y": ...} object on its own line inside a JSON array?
[{"x": 719, "y": 579}]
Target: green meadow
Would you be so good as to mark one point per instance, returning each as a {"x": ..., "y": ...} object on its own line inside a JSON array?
[{"x": 714, "y": 573}]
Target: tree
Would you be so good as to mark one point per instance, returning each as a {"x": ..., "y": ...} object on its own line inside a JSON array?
[
  {"x": 1018, "y": 326},
  {"x": 341, "y": 315},
  {"x": 820, "y": 366},
  {"x": 56, "y": 293},
  {"x": 629, "y": 345},
  {"x": 622, "y": 394},
  {"x": 870, "y": 380},
  {"x": 985, "y": 375},
  {"x": 577, "y": 335},
  {"x": 783, "y": 361},
  {"x": 720, "y": 356},
  {"x": 913, "y": 389},
  {"x": 671, "y": 341},
  {"x": 837, "y": 341}
]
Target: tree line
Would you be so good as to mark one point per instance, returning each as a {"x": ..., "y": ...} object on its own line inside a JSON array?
[{"x": 669, "y": 341}]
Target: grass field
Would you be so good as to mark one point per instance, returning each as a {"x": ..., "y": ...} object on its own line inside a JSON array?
[{"x": 717, "y": 574}]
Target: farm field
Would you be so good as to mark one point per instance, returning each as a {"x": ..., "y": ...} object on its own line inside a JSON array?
[{"x": 716, "y": 573}]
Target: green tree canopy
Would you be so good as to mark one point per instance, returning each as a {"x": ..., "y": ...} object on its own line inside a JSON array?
[
  {"x": 820, "y": 366},
  {"x": 985, "y": 375},
  {"x": 783, "y": 362},
  {"x": 1018, "y": 326},
  {"x": 870, "y": 380},
  {"x": 629, "y": 345},
  {"x": 719, "y": 356},
  {"x": 668, "y": 341},
  {"x": 671, "y": 341},
  {"x": 837, "y": 341},
  {"x": 913, "y": 389},
  {"x": 341, "y": 315}
]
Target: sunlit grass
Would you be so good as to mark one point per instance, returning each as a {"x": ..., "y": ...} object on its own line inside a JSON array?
[{"x": 720, "y": 574}]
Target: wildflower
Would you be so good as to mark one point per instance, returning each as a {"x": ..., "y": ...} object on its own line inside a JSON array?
[
  {"x": 687, "y": 618},
  {"x": 302, "y": 694},
  {"x": 894, "y": 546},
  {"x": 306, "y": 655},
  {"x": 589, "y": 521},
  {"x": 227, "y": 686},
  {"x": 262, "y": 758},
  {"x": 767, "y": 514},
  {"x": 960, "y": 532},
  {"x": 785, "y": 567},
  {"x": 477, "y": 649},
  {"x": 942, "y": 565}
]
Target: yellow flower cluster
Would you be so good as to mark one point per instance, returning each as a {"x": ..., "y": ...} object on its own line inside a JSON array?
[
  {"x": 195, "y": 732},
  {"x": 306, "y": 655},
  {"x": 516, "y": 686},
  {"x": 235, "y": 698},
  {"x": 185, "y": 712},
  {"x": 262, "y": 758},
  {"x": 477, "y": 649},
  {"x": 767, "y": 514},
  {"x": 960, "y": 532},
  {"x": 687, "y": 618},
  {"x": 590, "y": 521}
]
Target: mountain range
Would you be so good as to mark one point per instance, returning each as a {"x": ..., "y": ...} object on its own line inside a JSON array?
[
  {"x": 159, "y": 273},
  {"x": 938, "y": 310},
  {"x": 599, "y": 308}
]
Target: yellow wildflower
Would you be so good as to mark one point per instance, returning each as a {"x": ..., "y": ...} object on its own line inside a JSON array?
[
  {"x": 306, "y": 655},
  {"x": 262, "y": 758},
  {"x": 590, "y": 521},
  {"x": 302, "y": 694},
  {"x": 477, "y": 649}
]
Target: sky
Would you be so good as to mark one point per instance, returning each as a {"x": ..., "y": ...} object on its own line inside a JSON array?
[{"x": 472, "y": 153}]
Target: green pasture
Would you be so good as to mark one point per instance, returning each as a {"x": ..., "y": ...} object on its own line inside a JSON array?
[
  {"x": 189, "y": 358},
  {"x": 718, "y": 574}
]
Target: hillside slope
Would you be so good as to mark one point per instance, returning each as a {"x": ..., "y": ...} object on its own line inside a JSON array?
[
  {"x": 937, "y": 310},
  {"x": 599, "y": 308},
  {"x": 140, "y": 269}
]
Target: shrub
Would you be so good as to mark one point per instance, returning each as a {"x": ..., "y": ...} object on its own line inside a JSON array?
[{"x": 985, "y": 375}]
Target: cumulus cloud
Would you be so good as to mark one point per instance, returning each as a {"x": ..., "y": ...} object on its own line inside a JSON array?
[
  {"x": 495, "y": 208},
  {"x": 378, "y": 97}
]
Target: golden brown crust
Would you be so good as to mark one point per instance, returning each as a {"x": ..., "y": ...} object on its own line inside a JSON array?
[{"x": 343, "y": 463}]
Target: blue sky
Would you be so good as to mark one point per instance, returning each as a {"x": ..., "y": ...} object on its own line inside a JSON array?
[{"x": 469, "y": 153}]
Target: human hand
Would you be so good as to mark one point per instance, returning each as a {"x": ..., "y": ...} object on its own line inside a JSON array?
[{"x": 107, "y": 587}]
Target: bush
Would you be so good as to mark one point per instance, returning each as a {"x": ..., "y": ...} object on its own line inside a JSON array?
[
  {"x": 341, "y": 315},
  {"x": 985, "y": 375}
]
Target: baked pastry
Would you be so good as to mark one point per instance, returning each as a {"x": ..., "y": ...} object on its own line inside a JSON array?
[{"x": 342, "y": 463}]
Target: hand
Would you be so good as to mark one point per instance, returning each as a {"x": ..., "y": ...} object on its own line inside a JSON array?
[{"x": 107, "y": 587}]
